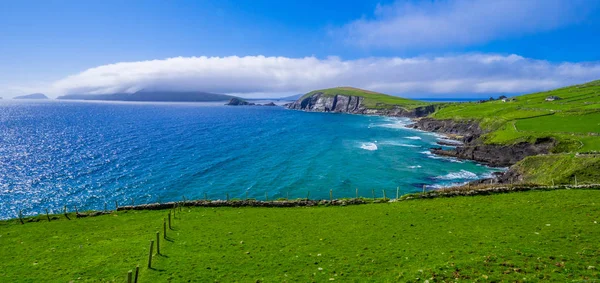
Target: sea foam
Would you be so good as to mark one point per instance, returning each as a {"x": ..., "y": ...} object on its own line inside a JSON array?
[
  {"x": 368, "y": 146},
  {"x": 462, "y": 174}
]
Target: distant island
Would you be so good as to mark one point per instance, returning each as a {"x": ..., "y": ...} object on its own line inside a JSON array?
[
  {"x": 32, "y": 96},
  {"x": 240, "y": 102},
  {"x": 156, "y": 96}
]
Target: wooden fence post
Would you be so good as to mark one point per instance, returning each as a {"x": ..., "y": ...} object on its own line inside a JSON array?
[
  {"x": 227, "y": 195},
  {"x": 308, "y": 195},
  {"x": 157, "y": 243},
  {"x": 423, "y": 188},
  {"x": 21, "y": 216},
  {"x": 164, "y": 228},
  {"x": 170, "y": 228},
  {"x": 384, "y": 198},
  {"x": 47, "y": 215},
  {"x": 105, "y": 207},
  {"x": 137, "y": 272},
  {"x": 65, "y": 211},
  {"x": 397, "y": 192},
  {"x": 129, "y": 276},
  {"x": 373, "y": 192},
  {"x": 150, "y": 254},
  {"x": 330, "y": 195},
  {"x": 116, "y": 205},
  {"x": 357, "y": 193}
]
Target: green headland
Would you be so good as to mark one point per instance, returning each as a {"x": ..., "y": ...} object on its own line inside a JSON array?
[
  {"x": 569, "y": 115},
  {"x": 372, "y": 99}
]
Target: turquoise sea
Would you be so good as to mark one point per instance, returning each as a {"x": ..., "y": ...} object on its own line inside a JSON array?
[{"x": 55, "y": 153}]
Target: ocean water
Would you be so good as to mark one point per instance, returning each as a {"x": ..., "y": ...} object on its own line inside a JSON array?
[{"x": 55, "y": 153}]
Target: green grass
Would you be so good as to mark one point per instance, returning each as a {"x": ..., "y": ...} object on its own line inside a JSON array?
[
  {"x": 560, "y": 169},
  {"x": 576, "y": 117},
  {"x": 530, "y": 236},
  {"x": 372, "y": 100},
  {"x": 574, "y": 121},
  {"x": 578, "y": 123}
]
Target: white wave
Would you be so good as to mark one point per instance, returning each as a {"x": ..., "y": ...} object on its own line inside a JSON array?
[
  {"x": 450, "y": 141},
  {"x": 368, "y": 146},
  {"x": 414, "y": 166},
  {"x": 433, "y": 156},
  {"x": 408, "y": 145},
  {"x": 437, "y": 135},
  {"x": 394, "y": 143},
  {"x": 413, "y": 138},
  {"x": 462, "y": 174},
  {"x": 394, "y": 123}
]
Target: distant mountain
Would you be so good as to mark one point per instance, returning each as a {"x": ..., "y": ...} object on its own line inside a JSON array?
[
  {"x": 162, "y": 96},
  {"x": 292, "y": 97},
  {"x": 32, "y": 96}
]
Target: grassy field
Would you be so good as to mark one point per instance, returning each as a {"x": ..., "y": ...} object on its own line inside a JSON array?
[
  {"x": 578, "y": 123},
  {"x": 573, "y": 121},
  {"x": 530, "y": 236},
  {"x": 560, "y": 169},
  {"x": 575, "y": 118},
  {"x": 371, "y": 99}
]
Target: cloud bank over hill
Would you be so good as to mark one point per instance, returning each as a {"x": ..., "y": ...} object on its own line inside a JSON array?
[
  {"x": 426, "y": 24},
  {"x": 272, "y": 76}
]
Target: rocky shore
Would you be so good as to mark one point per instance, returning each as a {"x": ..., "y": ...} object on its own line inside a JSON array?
[{"x": 467, "y": 134}]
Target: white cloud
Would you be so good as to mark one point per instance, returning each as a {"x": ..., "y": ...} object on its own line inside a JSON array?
[
  {"x": 406, "y": 25},
  {"x": 249, "y": 76}
]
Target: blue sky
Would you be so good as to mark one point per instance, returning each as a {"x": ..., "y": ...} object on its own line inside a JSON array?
[{"x": 410, "y": 48}]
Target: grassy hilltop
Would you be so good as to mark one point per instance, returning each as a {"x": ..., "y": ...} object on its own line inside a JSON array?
[
  {"x": 574, "y": 121},
  {"x": 372, "y": 100},
  {"x": 529, "y": 236}
]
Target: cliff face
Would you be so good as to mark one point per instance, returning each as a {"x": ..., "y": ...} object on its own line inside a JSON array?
[
  {"x": 473, "y": 149},
  {"x": 498, "y": 155},
  {"x": 354, "y": 105},
  {"x": 468, "y": 130}
]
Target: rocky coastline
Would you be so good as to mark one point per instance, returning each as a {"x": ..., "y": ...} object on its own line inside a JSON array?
[
  {"x": 464, "y": 136},
  {"x": 469, "y": 133}
]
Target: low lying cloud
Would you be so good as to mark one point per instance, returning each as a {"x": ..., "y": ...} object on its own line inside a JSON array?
[
  {"x": 406, "y": 25},
  {"x": 253, "y": 76}
]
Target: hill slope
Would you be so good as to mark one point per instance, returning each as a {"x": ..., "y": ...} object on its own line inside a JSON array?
[
  {"x": 570, "y": 123},
  {"x": 575, "y": 117},
  {"x": 157, "y": 96},
  {"x": 32, "y": 96}
]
